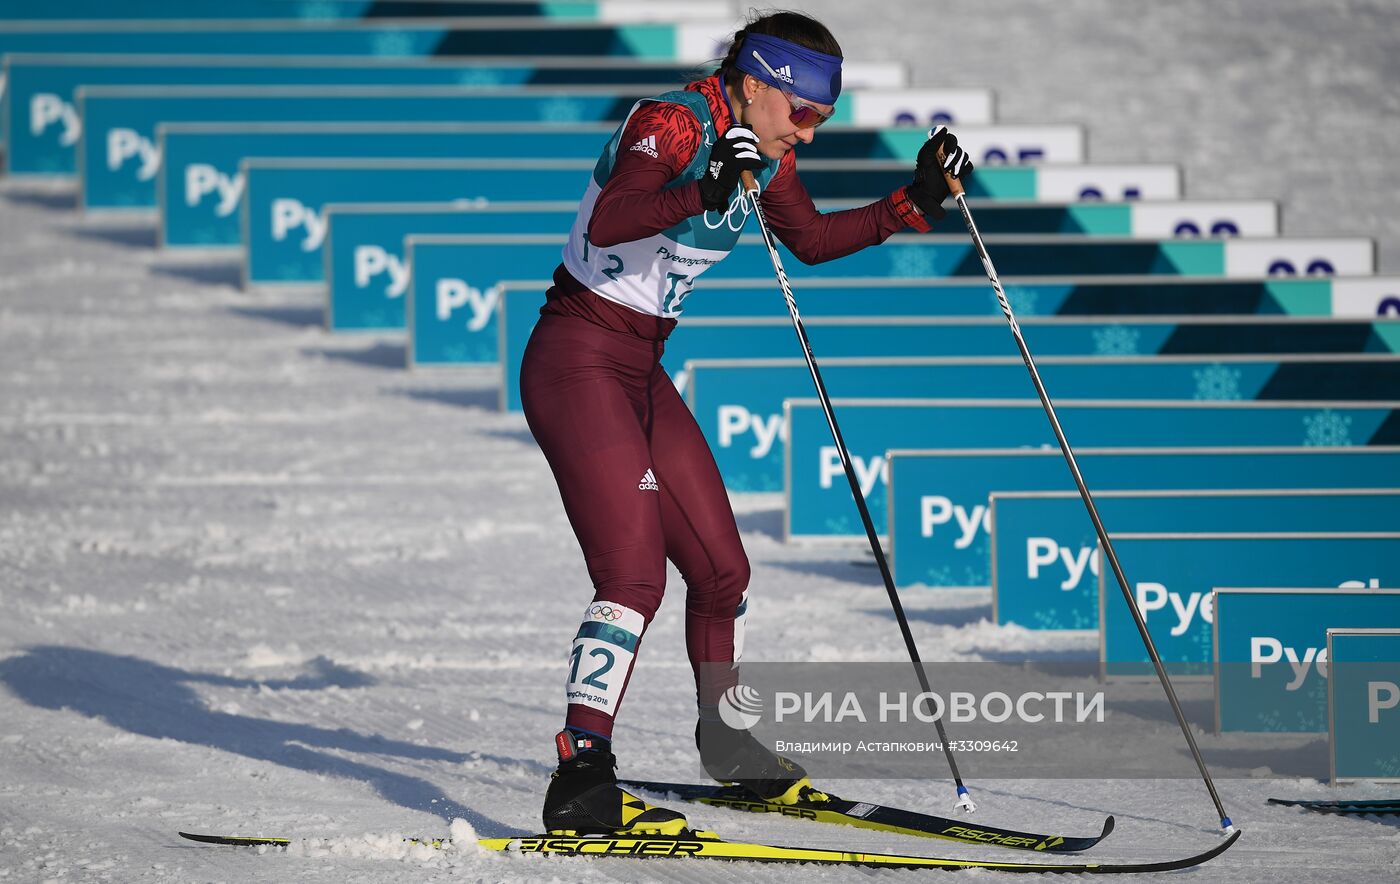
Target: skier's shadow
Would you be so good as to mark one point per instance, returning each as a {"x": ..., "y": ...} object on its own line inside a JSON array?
[{"x": 157, "y": 701}]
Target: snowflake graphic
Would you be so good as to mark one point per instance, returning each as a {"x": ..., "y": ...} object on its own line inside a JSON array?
[
  {"x": 1312, "y": 706},
  {"x": 842, "y": 525},
  {"x": 1055, "y": 616},
  {"x": 1217, "y": 381},
  {"x": 1270, "y": 722},
  {"x": 479, "y": 77},
  {"x": 938, "y": 576},
  {"x": 1327, "y": 428},
  {"x": 561, "y": 110},
  {"x": 1200, "y": 643},
  {"x": 1116, "y": 340},
  {"x": 738, "y": 482},
  {"x": 911, "y": 261},
  {"x": 316, "y": 9},
  {"x": 391, "y": 43},
  {"x": 1023, "y": 301},
  {"x": 289, "y": 271}
]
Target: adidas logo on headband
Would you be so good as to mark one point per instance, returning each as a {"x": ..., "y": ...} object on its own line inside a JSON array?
[
  {"x": 783, "y": 73},
  {"x": 807, "y": 73}
]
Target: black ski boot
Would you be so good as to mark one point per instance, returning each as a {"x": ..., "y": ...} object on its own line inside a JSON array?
[
  {"x": 734, "y": 758},
  {"x": 583, "y": 796}
]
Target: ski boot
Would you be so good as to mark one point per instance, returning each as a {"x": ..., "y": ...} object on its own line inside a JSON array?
[
  {"x": 584, "y": 799},
  {"x": 734, "y": 758}
]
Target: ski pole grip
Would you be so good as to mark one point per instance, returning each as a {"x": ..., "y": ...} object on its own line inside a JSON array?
[
  {"x": 750, "y": 183},
  {"x": 955, "y": 188}
]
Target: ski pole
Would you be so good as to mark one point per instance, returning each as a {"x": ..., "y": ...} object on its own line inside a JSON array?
[
  {"x": 956, "y": 188},
  {"x": 752, "y": 192}
]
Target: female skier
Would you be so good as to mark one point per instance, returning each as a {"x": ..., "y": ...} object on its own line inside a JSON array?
[{"x": 638, "y": 482}]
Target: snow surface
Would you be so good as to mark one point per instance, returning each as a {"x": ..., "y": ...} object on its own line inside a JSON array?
[{"x": 256, "y": 579}]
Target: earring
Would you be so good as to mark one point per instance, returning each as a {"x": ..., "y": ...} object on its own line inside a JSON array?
[{"x": 748, "y": 101}]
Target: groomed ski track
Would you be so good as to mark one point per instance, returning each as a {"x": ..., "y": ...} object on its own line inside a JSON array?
[{"x": 256, "y": 579}]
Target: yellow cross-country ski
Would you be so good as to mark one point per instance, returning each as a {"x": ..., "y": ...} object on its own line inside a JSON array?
[
  {"x": 866, "y": 815},
  {"x": 707, "y": 845}
]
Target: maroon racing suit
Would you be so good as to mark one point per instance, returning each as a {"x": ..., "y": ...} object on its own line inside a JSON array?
[{"x": 638, "y": 481}]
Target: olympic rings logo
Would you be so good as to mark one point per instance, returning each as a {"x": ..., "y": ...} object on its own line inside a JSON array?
[
  {"x": 604, "y": 612},
  {"x": 740, "y": 203}
]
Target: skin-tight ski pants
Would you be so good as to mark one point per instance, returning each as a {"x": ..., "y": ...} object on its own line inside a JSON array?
[{"x": 640, "y": 486}]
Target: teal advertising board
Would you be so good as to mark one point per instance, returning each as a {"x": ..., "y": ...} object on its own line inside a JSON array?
[
  {"x": 1363, "y": 703},
  {"x": 739, "y": 403},
  {"x": 938, "y": 500},
  {"x": 483, "y": 262},
  {"x": 685, "y": 40},
  {"x": 372, "y": 235},
  {"x": 586, "y": 10},
  {"x": 42, "y": 125},
  {"x": 1173, "y": 578},
  {"x": 199, "y": 185},
  {"x": 1271, "y": 659},
  {"x": 314, "y": 183},
  {"x": 819, "y": 500},
  {"x": 117, "y": 158},
  {"x": 1045, "y": 559}
]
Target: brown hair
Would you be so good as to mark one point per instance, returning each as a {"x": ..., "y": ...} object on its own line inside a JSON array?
[{"x": 785, "y": 25}]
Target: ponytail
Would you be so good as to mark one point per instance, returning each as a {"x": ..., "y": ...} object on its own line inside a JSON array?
[{"x": 726, "y": 67}]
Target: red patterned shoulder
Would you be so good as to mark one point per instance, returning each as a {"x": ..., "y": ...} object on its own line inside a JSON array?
[{"x": 665, "y": 131}]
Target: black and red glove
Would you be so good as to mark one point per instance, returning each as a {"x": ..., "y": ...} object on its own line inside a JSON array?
[{"x": 929, "y": 188}]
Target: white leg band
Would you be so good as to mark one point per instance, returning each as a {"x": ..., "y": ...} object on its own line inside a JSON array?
[{"x": 602, "y": 654}]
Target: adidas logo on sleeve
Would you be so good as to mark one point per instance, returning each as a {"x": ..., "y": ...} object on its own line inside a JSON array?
[
  {"x": 648, "y": 482},
  {"x": 647, "y": 146}
]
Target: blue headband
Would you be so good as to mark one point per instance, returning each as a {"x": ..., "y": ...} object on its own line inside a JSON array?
[{"x": 804, "y": 72}]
